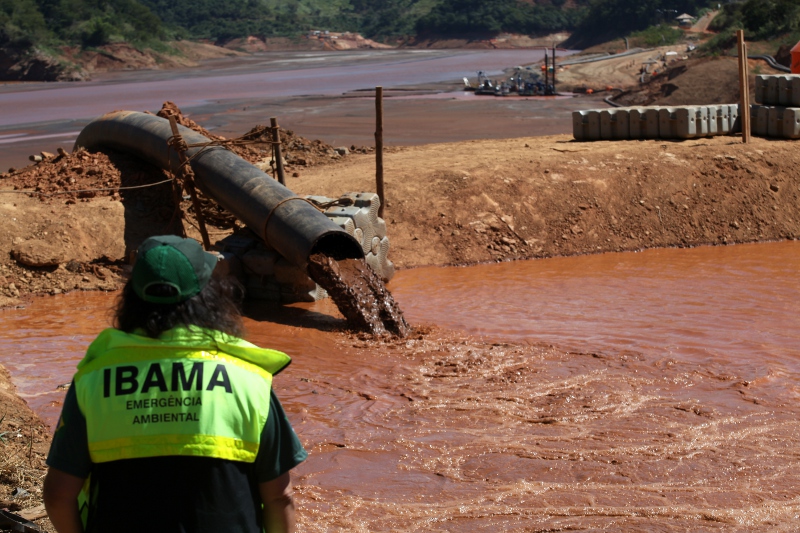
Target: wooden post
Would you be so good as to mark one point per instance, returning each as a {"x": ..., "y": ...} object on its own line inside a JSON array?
[
  {"x": 276, "y": 150},
  {"x": 379, "y": 148},
  {"x": 546, "y": 72},
  {"x": 744, "y": 87},
  {"x": 188, "y": 183}
]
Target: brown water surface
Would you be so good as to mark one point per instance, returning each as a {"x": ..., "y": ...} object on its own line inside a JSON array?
[{"x": 655, "y": 391}]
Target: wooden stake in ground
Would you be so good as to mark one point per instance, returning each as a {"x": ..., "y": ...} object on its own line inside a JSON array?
[
  {"x": 276, "y": 150},
  {"x": 187, "y": 177},
  {"x": 744, "y": 87},
  {"x": 379, "y": 147}
]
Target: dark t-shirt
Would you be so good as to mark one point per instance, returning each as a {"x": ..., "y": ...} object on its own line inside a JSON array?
[{"x": 175, "y": 494}]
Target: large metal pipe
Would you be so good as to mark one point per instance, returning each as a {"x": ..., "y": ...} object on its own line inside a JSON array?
[{"x": 290, "y": 225}]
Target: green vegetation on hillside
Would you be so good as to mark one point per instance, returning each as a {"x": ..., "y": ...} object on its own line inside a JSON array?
[
  {"x": 612, "y": 19},
  {"x": 489, "y": 17},
  {"x": 86, "y": 22},
  {"x": 91, "y": 23},
  {"x": 660, "y": 35},
  {"x": 761, "y": 19}
]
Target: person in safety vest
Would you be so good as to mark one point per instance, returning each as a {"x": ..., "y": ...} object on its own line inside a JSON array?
[{"x": 171, "y": 424}]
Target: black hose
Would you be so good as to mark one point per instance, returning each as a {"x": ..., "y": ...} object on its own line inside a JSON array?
[
  {"x": 287, "y": 223},
  {"x": 771, "y": 62}
]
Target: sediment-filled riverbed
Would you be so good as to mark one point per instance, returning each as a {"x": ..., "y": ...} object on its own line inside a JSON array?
[{"x": 624, "y": 391}]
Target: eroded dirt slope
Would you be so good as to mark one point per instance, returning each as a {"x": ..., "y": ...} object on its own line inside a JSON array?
[
  {"x": 480, "y": 201},
  {"x": 458, "y": 203}
]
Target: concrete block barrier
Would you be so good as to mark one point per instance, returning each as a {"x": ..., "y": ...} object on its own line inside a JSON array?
[
  {"x": 720, "y": 116},
  {"x": 735, "y": 119},
  {"x": 586, "y": 125},
  {"x": 268, "y": 276},
  {"x": 388, "y": 271},
  {"x": 369, "y": 200},
  {"x": 701, "y": 121},
  {"x": 789, "y": 91},
  {"x": 368, "y": 232},
  {"x": 358, "y": 234},
  {"x": 262, "y": 288},
  {"x": 260, "y": 261},
  {"x": 771, "y": 91},
  {"x": 791, "y": 122},
  {"x": 288, "y": 274},
  {"x": 373, "y": 262},
  {"x": 615, "y": 124},
  {"x": 759, "y": 92},
  {"x": 361, "y": 220},
  {"x": 778, "y": 90},
  {"x": 345, "y": 223},
  {"x": 759, "y": 120},
  {"x": 380, "y": 228},
  {"x": 677, "y": 122},
  {"x": 364, "y": 230},
  {"x": 775, "y": 122},
  {"x": 643, "y": 122},
  {"x": 712, "y": 120},
  {"x": 288, "y": 295},
  {"x": 238, "y": 243}
]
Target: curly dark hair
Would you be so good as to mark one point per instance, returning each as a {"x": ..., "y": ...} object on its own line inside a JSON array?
[{"x": 216, "y": 307}]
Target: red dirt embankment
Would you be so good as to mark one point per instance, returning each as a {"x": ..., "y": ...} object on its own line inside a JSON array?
[{"x": 457, "y": 203}]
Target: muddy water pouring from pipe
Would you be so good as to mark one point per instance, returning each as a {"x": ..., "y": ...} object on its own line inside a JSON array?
[{"x": 359, "y": 294}]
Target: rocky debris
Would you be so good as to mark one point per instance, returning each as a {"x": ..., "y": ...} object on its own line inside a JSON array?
[
  {"x": 67, "y": 178},
  {"x": 17, "y": 281},
  {"x": 37, "y": 253},
  {"x": 169, "y": 109}
]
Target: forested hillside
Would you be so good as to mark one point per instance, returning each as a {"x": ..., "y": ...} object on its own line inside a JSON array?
[
  {"x": 44, "y": 27},
  {"x": 774, "y": 20},
  {"x": 97, "y": 22},
  {"x": 488, "y": 17},
  {"x": 610, "y": 19}
]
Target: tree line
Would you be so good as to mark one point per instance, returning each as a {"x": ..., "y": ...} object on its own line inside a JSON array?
[{"x": 91, "y": 23}]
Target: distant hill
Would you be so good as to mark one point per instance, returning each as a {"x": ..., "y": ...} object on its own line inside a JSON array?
[
  {"x": 606, "y": 20},
  {"x": 33, "y": 33}
]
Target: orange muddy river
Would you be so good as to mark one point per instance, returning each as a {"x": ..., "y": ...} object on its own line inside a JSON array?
[{"x": 652, "y": 391}]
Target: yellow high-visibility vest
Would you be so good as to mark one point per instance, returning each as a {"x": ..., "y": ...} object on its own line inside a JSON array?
[{"x": 192, "y": 391}]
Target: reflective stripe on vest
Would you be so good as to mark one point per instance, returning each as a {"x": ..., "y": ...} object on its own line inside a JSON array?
[{"x": 191, "y": 392}]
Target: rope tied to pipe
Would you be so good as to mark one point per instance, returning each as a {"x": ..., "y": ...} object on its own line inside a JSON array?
[
  {"x": 319, "y": 206},
  {"x": 177, "y": 143},
  {"x": 272, "y": 211},
  {"x": 257, "y": 136}
]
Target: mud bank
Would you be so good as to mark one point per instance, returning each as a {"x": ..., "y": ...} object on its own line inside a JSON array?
[
  {"x": 447, "y": 204},
  {"x": 24, "y": 442}
]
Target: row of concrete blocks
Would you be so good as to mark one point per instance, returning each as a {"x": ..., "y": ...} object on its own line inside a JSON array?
[
  {"x": 683, "y": 122},
  {"x": 268, "y": 276},
  {"x": 264, "y": 273},
  {"x": 360, "y": 219},
  {"x": 778, "y": 90},
  {"x": 775, "y": 121}
]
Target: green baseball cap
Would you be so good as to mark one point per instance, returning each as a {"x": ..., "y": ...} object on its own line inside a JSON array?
[{"x": 172, "y": 261}]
